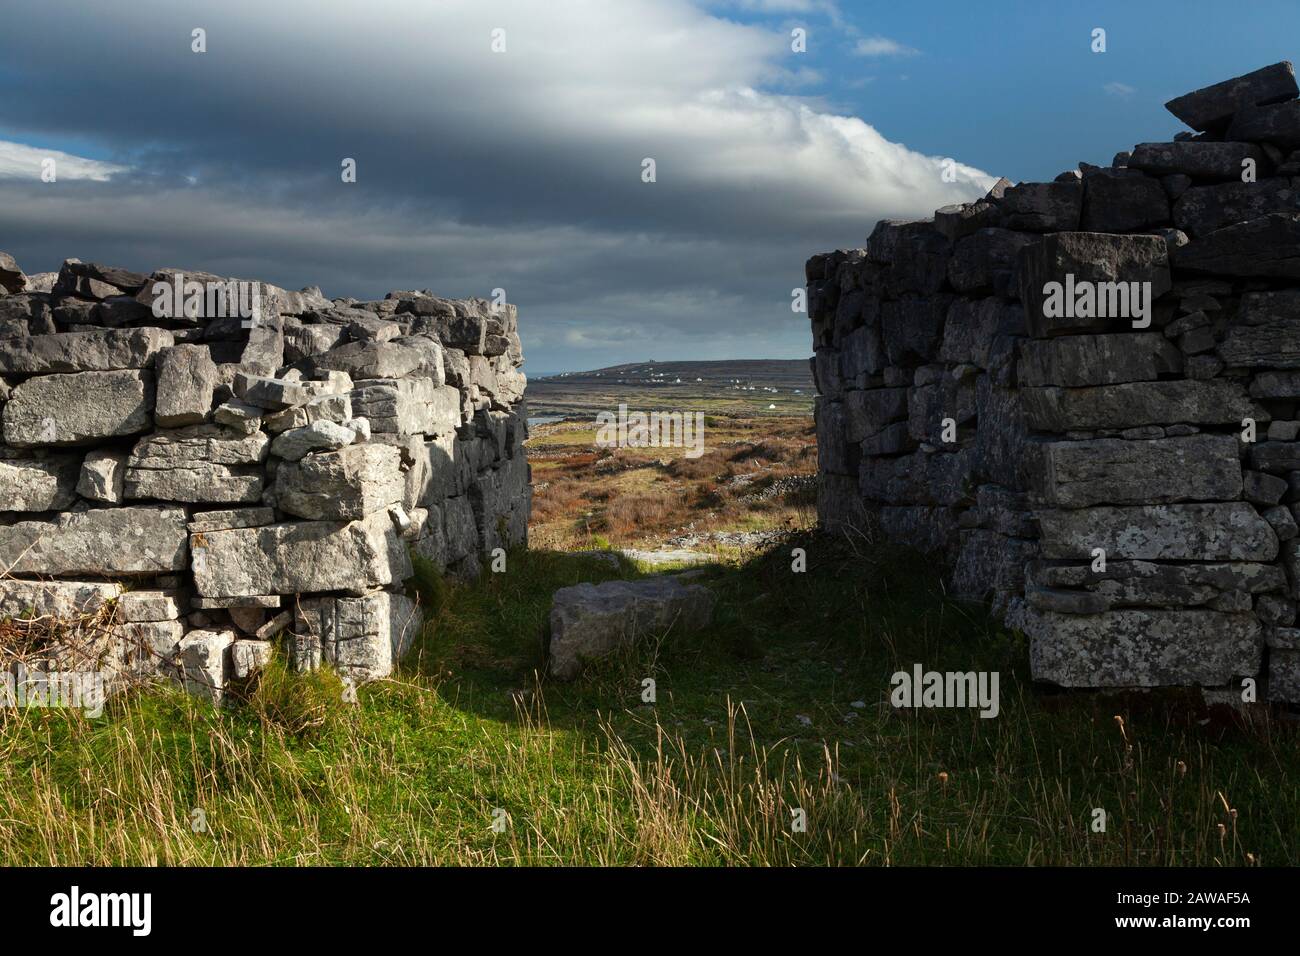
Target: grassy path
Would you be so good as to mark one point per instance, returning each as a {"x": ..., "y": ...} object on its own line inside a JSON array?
[{"x": 781, "y": 706}]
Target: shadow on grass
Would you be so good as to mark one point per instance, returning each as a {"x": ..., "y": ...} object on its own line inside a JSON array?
[{"x": 809, "y": 655}]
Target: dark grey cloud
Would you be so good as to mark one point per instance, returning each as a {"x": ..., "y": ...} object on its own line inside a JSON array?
[{"x": 475, "y": 169}]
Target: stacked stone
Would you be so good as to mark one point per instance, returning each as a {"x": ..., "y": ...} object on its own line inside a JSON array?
[
  {"x": 1123, "y": 484},
  {"x": 183, "y": 491}
]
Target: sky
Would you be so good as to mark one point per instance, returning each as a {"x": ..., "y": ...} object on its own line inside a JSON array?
[{"x": 522, "y": 168}]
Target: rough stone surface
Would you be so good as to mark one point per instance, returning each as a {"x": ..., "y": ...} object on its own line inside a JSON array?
[
  {"x": 197, "y": 463},
  {"x": 1265, "y": 246},
  {"x": 1277, "y": 124},
  {"x": 1229, "y": 531},
  {"x": 38, "y": 484},
  {"x": 363, "y": 637},
  {"x": 1117, "y": 471},
  {"x": 1143, "y": 648},
  {"x": 93, "y": 351},
  {"x": 1078, "y": 360},
  {"x": 1284, "y": 675},
  {"x": 1082, "y": 400},
  {"x": 103, "y": 402},
  {"x": 1213, "y": 107},
  {"x": 28, "y": 600},
  {"x": 249, "y": 657},
  {"x": 1123, "y": 203},
  {"x": 328, "y": 408},
  {"x": 186, "y": 377},
  {"x": 1043, "y": 207},
  {"x": 103, "y": 477},
  {"x": 78, "y": 409},
  {"x": 1200, "y": 160},
  {"x": 150, "y": 605},
  {"x": 233, "y": 518},
  {"x": 1112, "y": 263},
  {"x": 131, "y": 541},
  {"x": 299, "y": 558},
  {"x": 205, "y": 663},
  {"x": 1213, "y": 402},
  {"x": 349, "y": 483},
  {"x": 589, "y": 621},
  {"x": 1203, "y": 209},
  {"x": 294, "y": 444}
]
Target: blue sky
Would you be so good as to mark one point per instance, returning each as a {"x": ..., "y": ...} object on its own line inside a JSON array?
[
  {"x": 1014, "y": 87},
  {"x": 521, "y": 170}
]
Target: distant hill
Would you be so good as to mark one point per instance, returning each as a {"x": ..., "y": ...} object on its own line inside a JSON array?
[{"x": 737, "y": 386}]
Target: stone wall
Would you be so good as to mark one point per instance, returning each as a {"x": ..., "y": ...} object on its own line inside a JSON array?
[
  {"x": 194, "y": 468},
  {"x": 1121, "y": 482}
]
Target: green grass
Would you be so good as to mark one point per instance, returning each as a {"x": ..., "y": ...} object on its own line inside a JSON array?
[{"x": 753, "y": 719}]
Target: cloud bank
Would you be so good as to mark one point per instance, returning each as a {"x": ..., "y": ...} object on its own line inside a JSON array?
[{"x": 476, "y": 169}]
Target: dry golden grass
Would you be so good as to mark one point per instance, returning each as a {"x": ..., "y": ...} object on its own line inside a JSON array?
[{"x": 585, "y": 496}]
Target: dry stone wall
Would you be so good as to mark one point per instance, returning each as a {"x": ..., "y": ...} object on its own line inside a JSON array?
[
  {"x": 1085, "y": 396},
  {"x": 194, "y": 468}
]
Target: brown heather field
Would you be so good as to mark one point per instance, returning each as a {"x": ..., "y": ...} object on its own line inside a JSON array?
[{"x": 757, "y": 474}]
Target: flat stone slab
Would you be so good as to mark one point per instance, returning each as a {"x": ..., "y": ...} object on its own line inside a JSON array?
[
  {"x": 1120, "y": 472},
  {"x": 1188, "y": 401},
  {"x": 1278, "y": 124},
  {"x": 27, "y": 600},
  {"x": 299, "y": 558},
  {"x": 78, "y": 409},
  {"x": 150, "y": 605},
  {"x": 370, "y": 360},
  {"x": 232, "y": 518},
  {"x": 1080, "y": 360},
  {"x": 1228, "y": 531},
  {"x": 1203, "y": 209},
  {"x": 1200, "y": 160},
  {"x": 277, "y": 394},
  {"x": 1142, "y": 648},
  {"x": 197, "y": 463},
  {"x": 590, "y": 621},
  {"x": 1152, "y": 584},
  {"x": 664, "y": 558},
  {"x": 1212, "y": 107},
  {"x": 1043, "y": 207},
  {"x": 101, "y": 350},
  {"x": 139, "y": 540},
  {"x": 1267, "y": 246}
]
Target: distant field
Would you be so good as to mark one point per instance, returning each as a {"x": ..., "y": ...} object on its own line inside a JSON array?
[
  {"x": 755, "y": 474},
  {"x": 757, "y": 387}
]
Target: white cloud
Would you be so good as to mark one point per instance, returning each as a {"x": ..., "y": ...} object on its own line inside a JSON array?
[
  {"x": 472, "y": 165},
  {"x": 1122, "y": 90},
  {"x": 19, "y": 161},
  {"x": 882, "y": 46}
]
